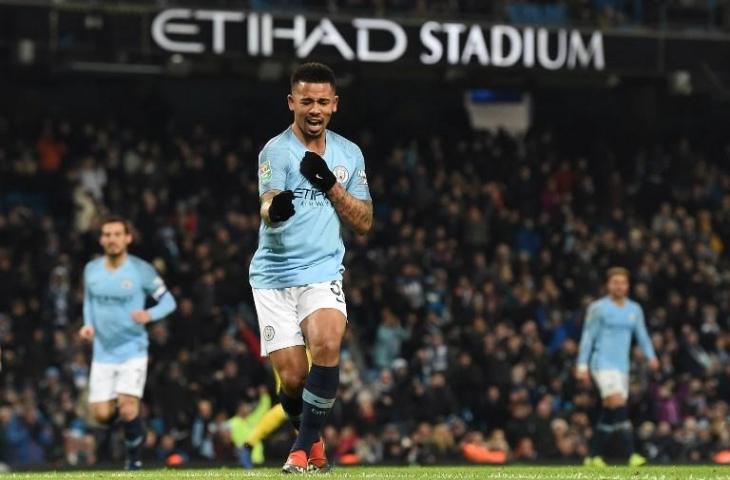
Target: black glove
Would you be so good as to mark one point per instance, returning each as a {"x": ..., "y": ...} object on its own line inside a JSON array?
[
  {"x": 314, "y": 169},
  {"x": 281, "y": 207}
]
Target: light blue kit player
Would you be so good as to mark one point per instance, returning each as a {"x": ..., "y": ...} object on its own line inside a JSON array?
[
  {"x": 605, "y": 347},
  {"x": 312, "y": 182},
  {"x": 116, "y": 286}
]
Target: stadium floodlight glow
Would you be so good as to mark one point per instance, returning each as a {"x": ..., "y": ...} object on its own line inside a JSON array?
[{"x": 178, "y": 30}]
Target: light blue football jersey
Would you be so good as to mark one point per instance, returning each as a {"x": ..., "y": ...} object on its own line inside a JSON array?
[
  {"x": 607, "y": 334},
  {"x": 110, "y": 297},
  {"x": 307, "y": 248}
]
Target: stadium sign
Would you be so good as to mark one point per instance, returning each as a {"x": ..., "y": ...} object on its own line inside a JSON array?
[{"x": 375, "y": 40}]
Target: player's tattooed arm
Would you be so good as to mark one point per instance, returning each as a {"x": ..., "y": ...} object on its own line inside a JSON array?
[
  {"x": 266, "y": 204},
  {"x": 357, "y": 214}
]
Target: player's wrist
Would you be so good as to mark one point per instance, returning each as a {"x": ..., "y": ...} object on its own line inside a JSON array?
[
  {"x": 265, "y": 216},
  {"x": 336, "y": 193}
]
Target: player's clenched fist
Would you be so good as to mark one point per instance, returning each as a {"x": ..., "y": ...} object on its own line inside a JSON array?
[
  {"x": 86, "y": 332},
  {"x": 282, "y": 207},
  {"x": 141, "y": 317},
  {"x": 654, "y": 365},
  {"x": 315, "y": 169}
]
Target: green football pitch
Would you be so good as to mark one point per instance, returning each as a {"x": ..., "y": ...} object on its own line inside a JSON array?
[{"x": 444, "y": 473}]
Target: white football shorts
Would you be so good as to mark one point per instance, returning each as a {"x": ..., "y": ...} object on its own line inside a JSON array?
[
  {"x": 611, "y": 382},
  {"x": 108, "y": 380},
  {"x": 281, "y": 310}
]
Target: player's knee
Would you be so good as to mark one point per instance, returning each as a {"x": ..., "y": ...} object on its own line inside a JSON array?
[
  {"x": 614, "y": 401},
  {"x": 292, "y": 381},
  {"x": 102, "y": 418},
  {"x": 103, "y": 415},
  {"x": 128, "y": 410},
  {"x": 326, "y": 350},
  {"x": 128, "y": 414}
]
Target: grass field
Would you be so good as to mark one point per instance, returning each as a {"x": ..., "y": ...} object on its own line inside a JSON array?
[{"x": 443, "y": 473}]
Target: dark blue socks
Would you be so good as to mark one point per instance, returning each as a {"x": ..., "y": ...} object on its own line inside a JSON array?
[
  {"x": 610, "y": 421},
  {"x": 319, "y": 395},
  {"x": 133, "y": 438},
  {"x": 623, "y": 427},
  {"x": 602, "y": 432},
  {"x": 292, "y": 407}
]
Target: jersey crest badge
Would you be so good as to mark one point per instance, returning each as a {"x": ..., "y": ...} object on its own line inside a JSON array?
[{"x": 341, "y": 173}]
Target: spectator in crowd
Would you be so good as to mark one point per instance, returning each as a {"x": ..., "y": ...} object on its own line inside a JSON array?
[{"x": 242, "y": 424}]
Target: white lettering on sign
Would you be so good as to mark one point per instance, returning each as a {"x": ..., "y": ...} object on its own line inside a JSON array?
[
  {"x": 364, "y": 52},
  {"x": 166, "y": 23},
  {"x": 180, "y": 30}
]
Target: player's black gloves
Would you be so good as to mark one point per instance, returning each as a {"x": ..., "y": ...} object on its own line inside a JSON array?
[
  {"x": 281, "y": 207},
  {"x": 314, "y": 169}
]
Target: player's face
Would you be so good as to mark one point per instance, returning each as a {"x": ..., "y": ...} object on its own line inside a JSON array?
[
  {"x": 618, "y": 286},
  {"x": 313, "y": 105},
  {"x": 114, "y": 239}
]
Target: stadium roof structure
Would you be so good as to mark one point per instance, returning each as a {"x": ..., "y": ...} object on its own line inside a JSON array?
[{"x": 49, "y": 37}]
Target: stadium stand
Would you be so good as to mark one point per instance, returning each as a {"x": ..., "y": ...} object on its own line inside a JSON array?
[{"x": 466, "y": 303}]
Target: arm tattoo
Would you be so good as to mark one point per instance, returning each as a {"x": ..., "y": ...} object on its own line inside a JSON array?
[
  {"x": 355, "y": 213},
  {"x": 266, "y": 203}
]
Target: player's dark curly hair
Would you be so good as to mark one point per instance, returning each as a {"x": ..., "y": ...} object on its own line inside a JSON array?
[{"x": 313, "y": 72}]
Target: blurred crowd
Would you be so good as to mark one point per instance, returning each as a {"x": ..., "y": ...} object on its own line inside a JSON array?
[{"x": 465, "y": 303}]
